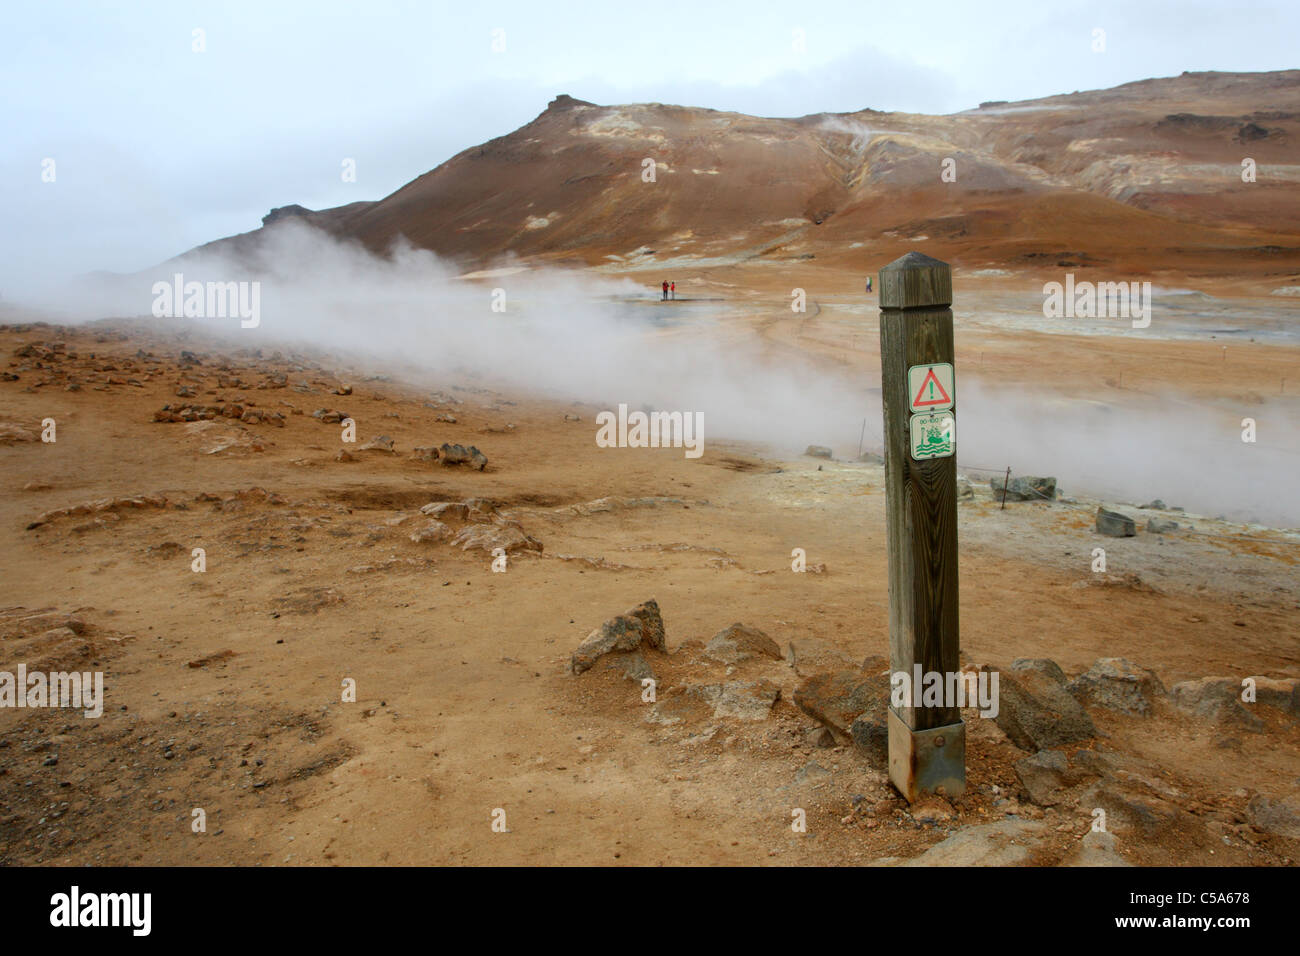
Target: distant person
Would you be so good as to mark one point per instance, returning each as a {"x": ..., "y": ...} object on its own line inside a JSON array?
[
  {"x": 673, "y": 290},
  {"x": 665, "y": 298},
  {"x": 868, "y": 285}
]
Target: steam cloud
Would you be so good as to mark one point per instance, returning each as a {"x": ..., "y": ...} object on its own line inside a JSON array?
[{"x": 576, "y": 336}]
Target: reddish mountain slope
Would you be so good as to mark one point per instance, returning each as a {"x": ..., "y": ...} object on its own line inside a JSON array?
[{"x": 1147, "y": 175}]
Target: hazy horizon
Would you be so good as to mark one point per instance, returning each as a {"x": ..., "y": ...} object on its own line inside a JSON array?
[{"x": 160, "y": 146}]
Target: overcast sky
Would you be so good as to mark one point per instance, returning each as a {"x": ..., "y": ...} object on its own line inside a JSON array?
[{"x": 158, "y": 147}]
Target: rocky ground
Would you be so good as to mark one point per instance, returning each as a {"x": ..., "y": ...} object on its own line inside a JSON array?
[{"x": 500, "y": 716}]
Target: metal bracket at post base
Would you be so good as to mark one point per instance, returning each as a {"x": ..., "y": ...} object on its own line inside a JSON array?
[{"x": 927, "y": 761}]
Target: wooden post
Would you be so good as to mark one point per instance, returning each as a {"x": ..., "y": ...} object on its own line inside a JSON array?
[{"x": 927, "y": 744}]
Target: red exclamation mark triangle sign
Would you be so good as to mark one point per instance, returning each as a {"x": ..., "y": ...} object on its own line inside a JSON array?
[{"x": 931, "y": 392}]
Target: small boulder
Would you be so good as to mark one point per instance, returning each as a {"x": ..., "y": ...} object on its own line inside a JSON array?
[
  {"x": 433, "y": 531},
  {"x": 1046, "y": 776},
  {"x": 1161, "y": 526},
  {"x": 817, "y": 451},
  {"x": 1024, "y": 488},
  {"x": 378, "y": 443},
  {"x": 1097, "y": 848},
  {"x": 457, "y": 510},
  {"x": 1005, "y": 843},
  {"x": 1278, "y": 816},
  {"x": 491, "y": 537},
  {"x": 1115, "y": 525},
  {"x": 1217, "y": 699},
  {"x": 870, "y": 731},
  {"x": 1282, "y": 693},
  {"x": 641, "y": 626},
  {"x": 1034, "y": 709},
  {"x": 460, "y": 455},
  {"x": 1118, "y": 684},
  {"x": 853, "y": 704},
  {"x": 630, "y": 664},
  {"x": 741, "y": 643},
  {"x": 746, "y": 700}
]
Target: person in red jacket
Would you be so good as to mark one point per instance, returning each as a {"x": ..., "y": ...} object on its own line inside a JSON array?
[
  {"x": 672, "y": 289},
  {"x": 665, "y": 290}
]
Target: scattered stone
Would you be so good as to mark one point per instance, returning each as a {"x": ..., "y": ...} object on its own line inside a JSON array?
[
  {"x": 870, "y": 731},
  {"x": 817, "y": 451},
  {"x": 1282, "y": 693},
  {"x": 1162, "y": 526},
  {"x": 345, "y": 455},
  {"x": 1115, "y": 525},
  {"x": 1280, "y": 816},
  {"x": 11, "y": 433},
  {"x": 746, "y": 700},
  {"x": 378, "y": 443},
  {"x": 1043, "y": 666},
  {"x": 837, "y": 699},
  {"x": 1118, "y": 684},
  {"x": 1005, "y": 843},
  {"x": 101, "y": 505},
  {"x": 506, "y": 536},
  {"x": 1025, "y": 488},
  {"x": 447, "y": 418},
  {"x": 1132, "y": 802},
  {"x": 1217, "y": 699},
  {"x": 433, "y": 531},
  {"x": 642, "y": 625},
  {"x": 1097, "y": 848},
  {"x": 1155, "y": 505},
  {"x": 1036, "y": 711},
  {"x": 216, "y": 658},
  {"x": 460, "y": 455},
  {"x": 740, "y": 642},
  {"x": 630, "y": 664},
  {"x": 965, "y": 489},
  {"x": 1046, "y": 776},
  {"x": 457, "y": 510}
]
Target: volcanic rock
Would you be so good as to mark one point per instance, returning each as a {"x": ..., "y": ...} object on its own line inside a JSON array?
[{"x": 641, "y": 626}]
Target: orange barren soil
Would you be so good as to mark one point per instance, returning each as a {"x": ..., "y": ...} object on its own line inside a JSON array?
[
  {"x": 370, "y": 564},
  {"x": 224, "y": 688}
]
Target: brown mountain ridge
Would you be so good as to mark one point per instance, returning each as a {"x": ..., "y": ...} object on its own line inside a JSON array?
[{"x": 1146, "y": 176}]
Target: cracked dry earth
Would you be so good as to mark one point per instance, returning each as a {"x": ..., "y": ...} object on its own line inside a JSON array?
[{"x": 223, "y": 689}]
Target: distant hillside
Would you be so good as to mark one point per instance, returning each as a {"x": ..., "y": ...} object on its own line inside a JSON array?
[{"x": 1147, "y": 172}]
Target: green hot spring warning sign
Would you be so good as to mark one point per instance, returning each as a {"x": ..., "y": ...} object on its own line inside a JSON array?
[{"x": 934, "y": 435}]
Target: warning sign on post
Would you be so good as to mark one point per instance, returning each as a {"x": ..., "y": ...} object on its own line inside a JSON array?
[
  {"x": 929, "y": 387},
  {"x": 933, "y": 435}
]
